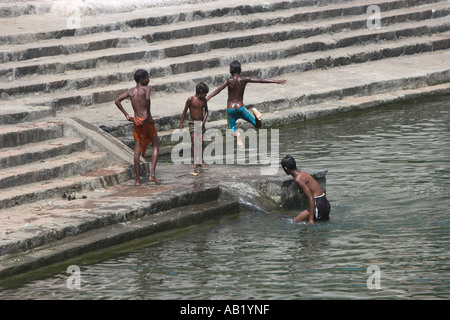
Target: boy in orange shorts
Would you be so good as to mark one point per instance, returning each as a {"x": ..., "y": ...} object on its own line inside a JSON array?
[{"x": 144, "y": 130}]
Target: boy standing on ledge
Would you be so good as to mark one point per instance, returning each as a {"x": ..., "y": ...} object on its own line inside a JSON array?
[
  {"x": 235, "y": 105},
  {"x": 198, "y": 111},
  {"x": 144, "y": 130},
  {"x": 319, "y": 207}
]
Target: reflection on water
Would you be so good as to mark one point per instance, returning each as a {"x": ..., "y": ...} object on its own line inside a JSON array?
[{"x": 388, "y": 184}]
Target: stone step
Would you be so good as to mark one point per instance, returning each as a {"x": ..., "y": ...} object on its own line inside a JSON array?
[
  {"x": 18, "y": 8},
  {"x": 170, "y": 35},
  {"x": 35, "y": 31},
  {"x": 88, "y": 181},
  {"x": 299, "y": 112},
  {"x": 169, "y": 101},
  {"x": 201, "y": 44},
  {"x": 79, "y": 231},
  {"x": 268, "y": 68},
  {"x": 29, "y": 132},
  {"x": 13, "y": 114},
  {"x": 308, "y": 88},
  {"x": 104, "y": 57},
  {"x": 52, "y": 168},
  {"x": 33, "y": 152},
  {"x": 51, "y": 156}
]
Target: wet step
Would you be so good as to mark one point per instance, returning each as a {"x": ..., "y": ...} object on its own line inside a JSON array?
[
  {"x": 106, "y": 206},
  {"x": 90, "y": 180},
  {"x": 52, "y": 168},
  {"x": 48, "y": 239}
]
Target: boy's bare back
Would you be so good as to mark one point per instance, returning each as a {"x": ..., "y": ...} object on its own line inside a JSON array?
[
  {"x": 140, "y": 100},
  {"x": 236, "y": 88}
]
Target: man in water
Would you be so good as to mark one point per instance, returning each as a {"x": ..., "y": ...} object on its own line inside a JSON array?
[{"x": 319, "y": 207}]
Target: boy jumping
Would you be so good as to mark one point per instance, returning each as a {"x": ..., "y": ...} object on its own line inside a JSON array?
[
  {"x": 144, "y": 130},
  {"x": 235, "y": 105}
]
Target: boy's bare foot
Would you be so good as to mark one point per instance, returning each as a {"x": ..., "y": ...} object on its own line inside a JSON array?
[
  {"x": 137, "y": 183},
  {"x": 239, "y": 140},
  {"x": 257, "y": 114},
  {"x": 153, "y": 179}
]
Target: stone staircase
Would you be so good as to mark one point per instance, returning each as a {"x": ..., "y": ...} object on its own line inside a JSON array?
[
  {"x": 63, "y": 63},
  {"x": 325, "y": 50},
  {"x": 43, "y": 156}
]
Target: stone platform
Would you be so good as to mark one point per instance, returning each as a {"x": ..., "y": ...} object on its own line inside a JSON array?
[{"x": 55, "y": 229}]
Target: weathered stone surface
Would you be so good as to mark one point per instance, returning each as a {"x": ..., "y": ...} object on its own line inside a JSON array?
[
  {"x": 284, "y": 191},
  {"x": 44, "y": 228}
]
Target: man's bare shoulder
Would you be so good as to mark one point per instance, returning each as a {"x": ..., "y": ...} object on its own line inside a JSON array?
[{"x": 303, "y": 177}]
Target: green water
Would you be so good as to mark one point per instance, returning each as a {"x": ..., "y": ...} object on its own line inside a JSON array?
[{"x": 388, "y": 184}]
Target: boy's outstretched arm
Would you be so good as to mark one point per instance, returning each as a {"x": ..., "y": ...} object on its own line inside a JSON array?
[
  {"x": 263, "y": 80},
  {"x": 186, "y": 107},
  {"x": 118, "y": 103},
  {"x": 220, "y": 88}
]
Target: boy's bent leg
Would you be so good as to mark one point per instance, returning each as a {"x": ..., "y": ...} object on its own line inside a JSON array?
[
  {"x": 254, "y": 120},
  {"x": 155, "y": 145},
  {"x": 137, "y": 161},
  {"x": 257, "y": 114},
  {"x": 258, "y": 117}
]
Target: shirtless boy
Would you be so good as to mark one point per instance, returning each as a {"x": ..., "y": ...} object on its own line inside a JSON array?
[
  {"x": 144, "y": 130},
  {"x": 235, "y": 105},
  {"x": 319, "y": 207},
  {"x": 198, "y": 111}
]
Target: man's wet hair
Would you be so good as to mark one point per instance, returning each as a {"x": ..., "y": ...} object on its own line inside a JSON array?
[
  {"x": 235, "y": 67},
  {"x": 289, "y": 162},
  {"x": 201, "y": 88},
  {"x": 139, "y": 75}
]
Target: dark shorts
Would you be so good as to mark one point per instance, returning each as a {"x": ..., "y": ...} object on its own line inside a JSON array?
[
  {"x": 322, "y": 208},
  {"x": 192, "y": 127}
]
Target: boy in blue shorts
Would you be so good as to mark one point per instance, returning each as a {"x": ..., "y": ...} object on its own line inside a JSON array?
[{"x": 235, "y": 105}]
